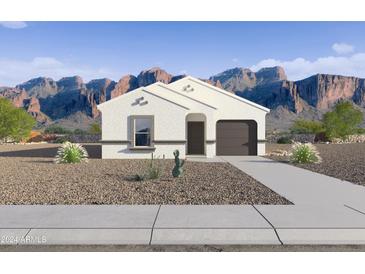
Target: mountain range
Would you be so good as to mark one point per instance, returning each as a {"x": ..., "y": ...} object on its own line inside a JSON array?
[{"x": 72, "y": 103}]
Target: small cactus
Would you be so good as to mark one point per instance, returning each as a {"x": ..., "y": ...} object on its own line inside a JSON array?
[{"x": 177, "y": 171}]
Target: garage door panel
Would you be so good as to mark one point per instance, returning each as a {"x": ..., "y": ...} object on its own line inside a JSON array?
[
  {"x": 236, "y": 137},
  {"x": 234, "y": 134},
  {"x": 234, "y": 151},
  {"x": 231, "y": 133},
  {"x": 234, "y": 128}
]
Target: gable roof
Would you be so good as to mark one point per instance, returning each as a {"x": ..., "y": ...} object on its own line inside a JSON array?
[
  {"x": 164, "y": 98},
  {"x": 147, "y": 90},
  {"x": 183, "y": 95},
  {"x": 173, "y": 95},
  {"x": 222, "y": 91}
]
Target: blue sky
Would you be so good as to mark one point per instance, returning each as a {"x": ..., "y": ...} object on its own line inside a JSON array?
[{"x": 201, "y": 49}]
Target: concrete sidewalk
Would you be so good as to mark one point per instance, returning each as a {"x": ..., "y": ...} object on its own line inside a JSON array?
[
  {"x": 298, "y": 185},
  {"x": 325, "y": 211},
  {"x": 154, "y": 224}
]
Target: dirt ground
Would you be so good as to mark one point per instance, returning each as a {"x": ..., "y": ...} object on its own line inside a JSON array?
[
  {"x": 28, "y": 175},
  {"x": 342, "y": 161}
]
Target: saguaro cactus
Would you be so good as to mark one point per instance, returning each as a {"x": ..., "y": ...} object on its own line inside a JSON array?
[{"x": 177, "y": 171}]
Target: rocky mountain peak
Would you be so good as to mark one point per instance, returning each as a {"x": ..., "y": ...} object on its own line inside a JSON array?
[
  {"x": 39, "y": 81},
  {"x": 125, "y": 84},
  {"x": 72, "y": 102},
  {"x": 236, "y": 79},
  {"x": 40, "y": 87},
  {"x": 271, "y": 74},
  {"x": 99, "y": 83},
  {"x": 322, "y": 91},
  {"x": 102, "y": 88},
  {"x": 153, "y": 75},
  {"x": 71, "y": 83}
]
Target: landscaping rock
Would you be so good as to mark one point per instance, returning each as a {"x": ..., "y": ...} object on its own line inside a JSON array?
[
  {"x": 342, "y": 161},
  {"x": 32, "y": 179}
]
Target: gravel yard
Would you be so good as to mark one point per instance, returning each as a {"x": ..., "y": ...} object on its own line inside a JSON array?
[
  {"x": 28, "y": 176},
  {"x": 343, "y": 161}
]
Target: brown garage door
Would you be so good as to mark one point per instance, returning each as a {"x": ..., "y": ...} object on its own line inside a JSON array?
[{"x": 236, "y": 137}]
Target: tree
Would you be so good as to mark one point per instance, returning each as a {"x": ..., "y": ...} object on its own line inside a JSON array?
[
  {"x": 344, "y": 120},
  {"x": 15, "y": 123},
  {"x": 95, "y": 128},
  {"x": 303, "y": 126}
]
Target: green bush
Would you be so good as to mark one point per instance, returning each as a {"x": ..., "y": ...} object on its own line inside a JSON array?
[
  {"x": 303, "y": 126},
  {"x": 304, "y": 154},
  {"x": 95, "y": 128},
  {"x": 360, "y": 131},
  {"x": 70, "y": 153},
  {"x": 15, "y": 123},
  {"x": 344, "y": 120},
  {"x": 54, "y": 129},
  {"x": 284, "y": 140}
]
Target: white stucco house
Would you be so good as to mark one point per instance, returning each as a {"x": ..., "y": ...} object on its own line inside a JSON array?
[{"x": 190, "y": 115}]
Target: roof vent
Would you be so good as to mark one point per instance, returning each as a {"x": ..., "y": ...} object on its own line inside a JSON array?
[{"x": 188, "y": 88}]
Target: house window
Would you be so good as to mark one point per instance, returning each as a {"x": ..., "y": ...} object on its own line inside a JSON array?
[{"x": 142, "y": 132}]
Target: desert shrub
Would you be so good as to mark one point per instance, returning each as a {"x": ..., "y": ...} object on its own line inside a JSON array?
[
  {"x": 304, "y": 154},
  {"x": 79, "y": 132},
  {"x": 138, "y": 177},
  {"x": 153, "y": 169},
  {"x": 54, "y": 129},
  {"x": 62, "y": 139},
  {"x": 284, "y": 140},
  {"x": 302, "y": 126},
  {"x": 95, "y": 128},
  {"x": 344, "y": 120},
  {"x": 49, "y": 137},
  {"x": 15, "y": 123},
  {"x": 321, "y": 137},
  {"x": 70, "y": 153}
]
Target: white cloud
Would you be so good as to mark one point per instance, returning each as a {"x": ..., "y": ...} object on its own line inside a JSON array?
[
  {"x": 13, "y": 24},
  {"x": 342, "y": 48},
  {"x": 235, "y": 60},
  {"x": 13, "y": 72},
  {"x": 301, "y": 68}
]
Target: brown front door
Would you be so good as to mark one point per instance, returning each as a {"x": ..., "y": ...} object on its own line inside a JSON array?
[
  {"x": 196, "y": 138},
  {"x": 236, "y": 137}
]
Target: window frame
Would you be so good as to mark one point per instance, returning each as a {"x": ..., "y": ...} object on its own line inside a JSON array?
[{"x": 134, "y": 133}]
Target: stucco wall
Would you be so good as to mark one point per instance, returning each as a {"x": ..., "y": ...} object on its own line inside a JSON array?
[
  {"x": 228, "y": 108},
  {"x": 170, "y": 118},
  {"x": 121, "y": 151}
]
